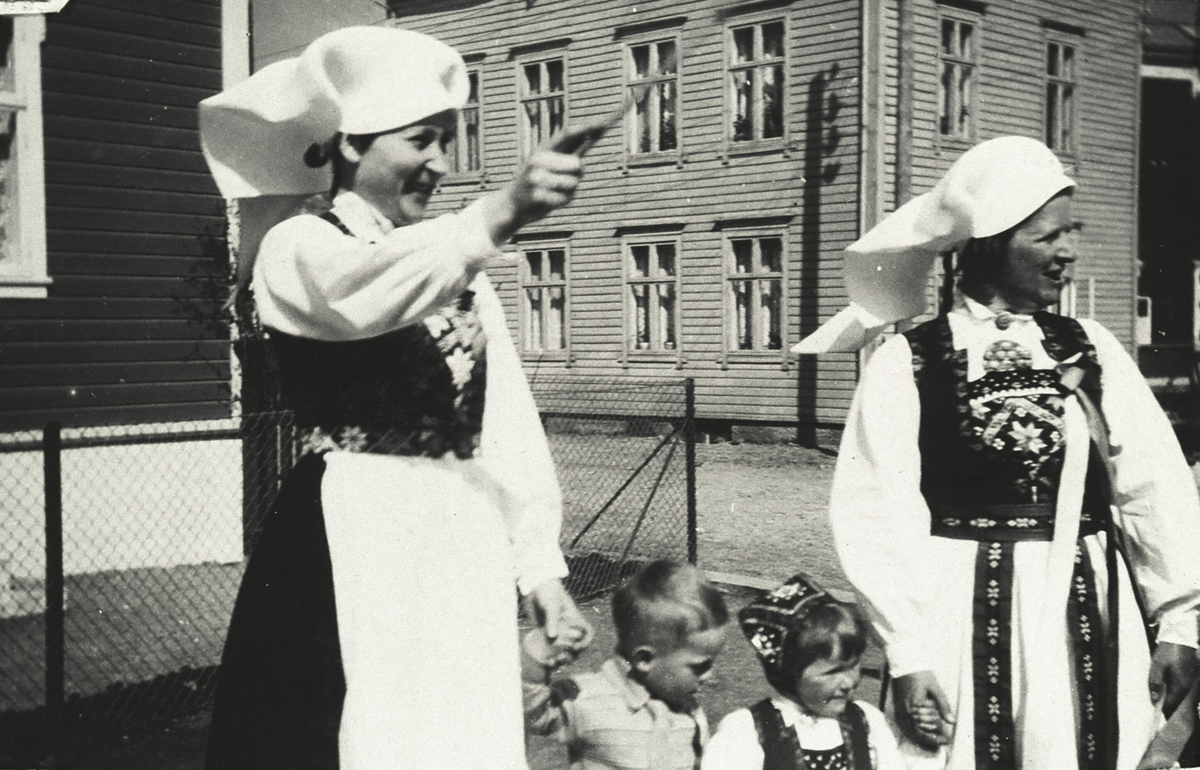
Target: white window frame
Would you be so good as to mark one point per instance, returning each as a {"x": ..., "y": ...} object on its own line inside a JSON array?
[
  {"x": 23, "y": 260},
  {"x": 951, "y": 100},
  {"x": 547, "y": 128},
  {"x": 647, "y": 95},
  {"x": 535, "y": 317},
  {"x": 759, "y": 62},
  {"x": 460, "y": 163},
  {"x": 1061, "y": 130},
  {"x": 755, "y": 277},
  {"x": 662, "y": 335}
]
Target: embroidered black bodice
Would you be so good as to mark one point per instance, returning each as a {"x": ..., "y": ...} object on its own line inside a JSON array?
[
  {"x": 998, "y": 440},
  {"x": 418, "y": 390}
]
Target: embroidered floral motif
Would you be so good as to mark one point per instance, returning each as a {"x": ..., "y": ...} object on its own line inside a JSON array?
[
  {"x": 1027, "y": 438},
  {"x": 460, "y": 365},
  {"x": 438, "y": 325}
]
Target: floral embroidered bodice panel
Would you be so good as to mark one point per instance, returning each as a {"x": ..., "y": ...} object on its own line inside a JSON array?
[
  {"x": 1016, "y": 420},
  {"x": 418, "y": 390}
]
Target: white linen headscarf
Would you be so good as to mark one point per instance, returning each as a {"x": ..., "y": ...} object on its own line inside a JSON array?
[
  {"x": 357, "y": 80},
  {"x": 994, "y": 186}
]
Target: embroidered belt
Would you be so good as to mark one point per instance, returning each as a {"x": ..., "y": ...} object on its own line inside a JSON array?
[
  {"x": 404, "y": 442},
  {"x": 992, "y": 523}
]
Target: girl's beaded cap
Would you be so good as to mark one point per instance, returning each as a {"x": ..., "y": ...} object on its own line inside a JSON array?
[{"x": 771, "y": 619}]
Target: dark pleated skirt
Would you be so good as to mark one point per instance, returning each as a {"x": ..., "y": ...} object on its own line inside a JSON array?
[{"x": 280, "y": 688}]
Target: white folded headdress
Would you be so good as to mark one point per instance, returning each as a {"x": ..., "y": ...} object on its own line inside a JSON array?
[
  {"x": 357, "y": 80},
  {"x": 994, "y": 186}
]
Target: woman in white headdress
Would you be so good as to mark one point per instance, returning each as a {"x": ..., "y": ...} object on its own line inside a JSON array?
[
  {"x": 376, "y": 623},
  {"x": 991, "y": 457}
]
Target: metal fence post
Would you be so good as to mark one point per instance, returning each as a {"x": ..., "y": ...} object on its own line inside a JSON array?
[
  {"x": 689, "y": 439},
  {"x": 55, "y": 639}
]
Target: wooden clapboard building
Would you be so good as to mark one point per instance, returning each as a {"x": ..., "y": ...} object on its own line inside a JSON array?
[
  {"x": 113, "y": 261},
  {"x": 706, "y": 239}
]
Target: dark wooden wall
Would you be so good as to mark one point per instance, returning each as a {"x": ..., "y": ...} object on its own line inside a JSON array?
[{"x": 131, "y": 330}]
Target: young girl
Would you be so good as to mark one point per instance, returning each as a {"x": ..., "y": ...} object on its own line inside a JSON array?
[{"x": 810, "y": 647}]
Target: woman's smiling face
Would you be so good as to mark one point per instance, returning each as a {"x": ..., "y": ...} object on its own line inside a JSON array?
[
  {"x": 399, "y": 171},
  {"x": 1030, "y": 275}
]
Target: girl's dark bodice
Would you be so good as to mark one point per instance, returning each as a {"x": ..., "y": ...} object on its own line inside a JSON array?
[{"x": 782, "y": 749}]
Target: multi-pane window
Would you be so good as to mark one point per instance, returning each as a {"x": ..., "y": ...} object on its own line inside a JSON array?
[
  {"x": 1061, "y": 85},
  {"x": 22, "y": 185},
  {"x": 466, "y": 154},
  {"x": 958, "y": 61},
  {"x": 543, "y": 91},
  {"x": 755, "y": 277},
  {"x": 756, "y": 79},
  {"x": 652, "y": 281},
  {"x": 544, "y": 294},
  {"x": 654, "y": 90}
]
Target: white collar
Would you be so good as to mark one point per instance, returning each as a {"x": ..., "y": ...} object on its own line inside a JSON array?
[
  {"x": 982, "y": 314},
  {"x": 360, "y": 217},
  {"x": 794, "y": 716}
]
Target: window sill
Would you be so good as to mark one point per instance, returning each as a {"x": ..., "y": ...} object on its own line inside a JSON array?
[
  {"x": 756, "y": 358},
  {"x": 544, "y": 356},
  {"x": 12, "y": 287},
  {"x": 473, "y": 178},
  {"x": 754, "y": 147},
  {"x": 647, "y": 159},
  {"x": 954, "y": 144}
]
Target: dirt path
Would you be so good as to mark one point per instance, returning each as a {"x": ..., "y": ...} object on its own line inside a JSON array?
[{"x": 762, "y": 510}]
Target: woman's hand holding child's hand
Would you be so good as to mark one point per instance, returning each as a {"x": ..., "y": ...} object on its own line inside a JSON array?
[
  {"x": 922, "y": 709},
  {"x": 563, "y": 632}
]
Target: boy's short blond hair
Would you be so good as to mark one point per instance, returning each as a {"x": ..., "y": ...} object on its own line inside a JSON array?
[{"x": 664, "y": 603}]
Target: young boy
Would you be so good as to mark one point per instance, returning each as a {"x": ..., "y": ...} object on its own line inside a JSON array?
[{"x": 640, "y": 709}]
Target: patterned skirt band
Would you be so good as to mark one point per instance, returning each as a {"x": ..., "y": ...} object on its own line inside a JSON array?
[
  {"x": 992, "y": 523},
  {"x": 1002, "y": 523}
]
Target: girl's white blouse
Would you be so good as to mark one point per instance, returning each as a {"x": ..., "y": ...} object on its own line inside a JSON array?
[{"x": 735, "y": 745}]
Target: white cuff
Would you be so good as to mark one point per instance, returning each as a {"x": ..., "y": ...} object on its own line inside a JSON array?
[
  {"x": 535, "y": 569},
  {"x": 1178, "y": 627}
]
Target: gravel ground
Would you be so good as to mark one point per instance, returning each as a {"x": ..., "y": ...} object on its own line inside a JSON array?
[{"x": 761, "y": 512}]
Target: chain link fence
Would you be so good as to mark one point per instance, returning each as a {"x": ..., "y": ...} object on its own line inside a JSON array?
[
  {"x": 625, "y": 454},
  {"x": 122, "y": 547}
]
